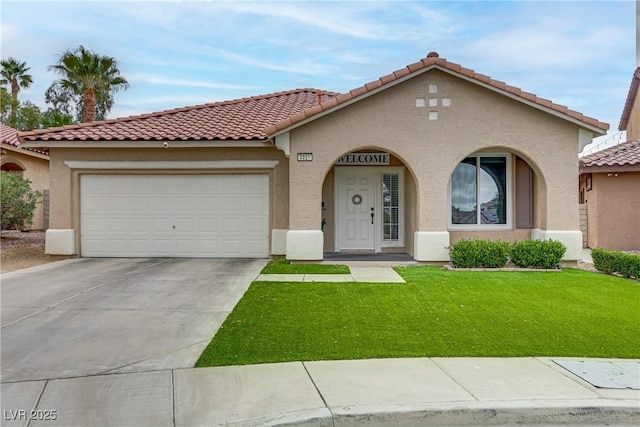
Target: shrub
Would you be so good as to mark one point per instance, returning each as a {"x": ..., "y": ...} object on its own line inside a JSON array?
[
  {"x": 470, "y": 253},
  {"x": 17, "y": 199},
  {"x": 537, "y": 253},
  {"x": 610, "y": 262}
]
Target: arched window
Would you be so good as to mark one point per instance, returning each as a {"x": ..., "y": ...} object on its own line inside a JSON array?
[
  {"x": 479, "y": 193},
  {"x": 12, "y": 167}
]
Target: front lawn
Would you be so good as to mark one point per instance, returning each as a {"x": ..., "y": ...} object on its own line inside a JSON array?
[
  {"x": 436, "y": 313},
  {"x": 280, "y": 265}
]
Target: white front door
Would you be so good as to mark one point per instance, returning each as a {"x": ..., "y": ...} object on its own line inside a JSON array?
[{"x": 356, "y": 204}]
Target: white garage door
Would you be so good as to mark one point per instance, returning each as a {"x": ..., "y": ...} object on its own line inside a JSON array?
[{"x": 205, "y": 216}]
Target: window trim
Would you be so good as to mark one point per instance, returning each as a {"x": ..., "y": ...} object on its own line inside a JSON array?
[{"x": 509, "y": 196}]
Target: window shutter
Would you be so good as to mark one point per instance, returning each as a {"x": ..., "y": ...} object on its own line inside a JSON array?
[{"x": 524, "y": 194}]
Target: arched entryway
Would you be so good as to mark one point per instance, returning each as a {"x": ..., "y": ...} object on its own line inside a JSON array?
[
  {"x": 369, "y": 203},
  {"x": 11, "y": 165}
]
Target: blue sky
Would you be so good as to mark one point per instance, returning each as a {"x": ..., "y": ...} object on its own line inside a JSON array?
[{"x": 177, "y": 53}]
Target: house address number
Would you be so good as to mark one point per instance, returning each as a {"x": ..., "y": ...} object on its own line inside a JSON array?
[{"x": 305, "y": 157}]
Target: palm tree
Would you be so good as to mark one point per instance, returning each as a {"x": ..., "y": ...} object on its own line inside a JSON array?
[
  {"x": 89, "y": 75},
  {"x": 14, "y": 72}
]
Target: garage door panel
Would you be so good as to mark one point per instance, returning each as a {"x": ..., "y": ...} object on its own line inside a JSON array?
[
  {"x": 94, "y": 203},
  {"x": 209, "y": 203},
  {"x": 140, "y": 203},
  {"x": 208, "y": 225},
  {"x": 183, "y": 215},
  {"x": 93, "y": 225},
  {"x": 186, "y": 225},
  {"x": 162, "y": 202},
  {"x": 255, "y": 224},
  {"x": 116, "y": 225}
]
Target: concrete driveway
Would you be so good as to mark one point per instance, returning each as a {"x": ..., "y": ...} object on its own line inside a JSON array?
[{"x": 96, "y": 316}]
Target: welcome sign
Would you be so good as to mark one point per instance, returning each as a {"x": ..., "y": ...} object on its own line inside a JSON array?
[{"x": 364, "y": 159}]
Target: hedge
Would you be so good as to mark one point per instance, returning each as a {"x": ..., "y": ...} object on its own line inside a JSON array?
[
  {"x": 475, "y": 253},
  {"x": 470, "y": 253},
  {"x": 537, "y": 253},
  {"x": 616, "y": 262}
]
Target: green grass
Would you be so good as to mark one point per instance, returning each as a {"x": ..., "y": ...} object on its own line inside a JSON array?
[
  {"x": 280, "y": 265},
  {"x": 436, "y": 313}
]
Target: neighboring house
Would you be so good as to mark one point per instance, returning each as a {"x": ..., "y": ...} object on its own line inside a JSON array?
[
  {"x": 30, "y": 163},
  {"x": 610, "y": 184},
  {"x": 409, "y": 163}
]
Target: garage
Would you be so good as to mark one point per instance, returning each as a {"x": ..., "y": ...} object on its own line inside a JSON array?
[{"x": 199, "y": 216}]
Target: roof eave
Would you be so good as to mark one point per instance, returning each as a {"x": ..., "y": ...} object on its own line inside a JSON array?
[
  {"x": 220, "y": 143},
  {"x": 631, "y": 96},
  {"x": 610, "y": 168},
  {"x": 24, "y": 150}
]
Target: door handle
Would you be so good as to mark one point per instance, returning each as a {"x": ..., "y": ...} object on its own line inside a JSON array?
[{"x": 372, "y": 215}]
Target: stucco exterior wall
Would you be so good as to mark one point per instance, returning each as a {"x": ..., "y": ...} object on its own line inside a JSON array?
[
  {"x": 633, "y": 125},
  {"x": 614, "y": 211},
  {"x": 65, "y": 182},
  {"x": 36, "y": 171},
  {"x": 478, "y": 119}
]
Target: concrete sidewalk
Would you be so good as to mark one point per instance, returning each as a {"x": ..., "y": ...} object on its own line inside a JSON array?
[
  {"x": 399, "y": 392},
  {"x": 358, "y": 274}
]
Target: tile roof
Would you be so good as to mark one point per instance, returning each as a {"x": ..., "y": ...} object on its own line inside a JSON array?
[
  {"x": 238, "y": 119},
  {"x": 631, "y": 96},
  {"x": 9, "y": 135},
  {"x": 433, "y": 61},
  {"x": 624, "y": 154}
]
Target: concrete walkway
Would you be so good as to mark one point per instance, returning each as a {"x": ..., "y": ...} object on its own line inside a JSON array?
[
  {"x": 358, "y": 274},
  {"x": 398, "y": 392}
]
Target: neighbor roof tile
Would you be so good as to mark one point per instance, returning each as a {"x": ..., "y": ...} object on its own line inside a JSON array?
[{"x": 626, "y": 153}]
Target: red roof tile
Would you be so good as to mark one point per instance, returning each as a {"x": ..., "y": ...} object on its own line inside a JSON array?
[
  {"x": 631, "y": 96},
  {"x": 626, "y": 153},
  {"x": 239, "y": 119},
  {"x": 9, "y": 135},
  {"x": 433, "y": 61}
]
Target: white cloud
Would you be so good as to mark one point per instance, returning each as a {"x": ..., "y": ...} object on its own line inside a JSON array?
[
  {"x": 165, "y": 81},
  {"x": 300, "y": 65}
]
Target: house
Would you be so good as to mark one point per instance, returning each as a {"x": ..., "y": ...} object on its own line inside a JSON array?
[
  {"x": 610, "y": 184},
  {"x": 411, "y": 163},
  {"x": 30, "y": 163}
]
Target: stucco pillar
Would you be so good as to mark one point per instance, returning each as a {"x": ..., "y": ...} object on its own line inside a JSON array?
[
  {"x": 304, "y": 238},
  {"x": 572, "y": 239},
  {"x": 431, "y": 246},
  {"x": 305, "y": 245}
]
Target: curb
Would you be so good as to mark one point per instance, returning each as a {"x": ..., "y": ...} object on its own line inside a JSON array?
[{"x": 577, "y": 413}]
